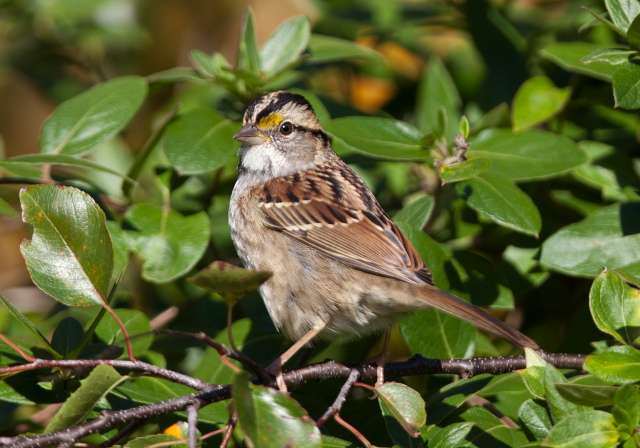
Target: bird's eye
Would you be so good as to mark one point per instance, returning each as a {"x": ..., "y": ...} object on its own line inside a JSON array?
[{"x": 286, "y": 128}]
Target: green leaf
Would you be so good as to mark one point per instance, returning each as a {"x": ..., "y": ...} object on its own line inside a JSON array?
[
  {"x": 468, "y": 169},
  {"x": 587, "y": 395},
  {"x": 25, "y": 322},
  {"x": 67, "y": 336},
  {"x": 619, "y": 364},
  {"x": 169, "y": 243},
  {"x": 560, "y": 407},
  {"x": 568, "y": 55},
  {"x": 608, "y": 237},
  {"x": 451, "y": 436},
  {"x": 404, "y": 404},
  {"x": 537, "y": 100},
  {"x": 7, "y": 210},
  {"x": 533, "y": 378},
  {"x": 633, "y": 33},
  {"x": 535, "y": 418},
  {"x": 622, "y": 12},
  {"x": 589, "y": 429},
  {"x": 70, "y": 256},
  {"x": 248, "y": 56},
  {"x": 498, "y": 197},
  {"x": 334, "y": 442},
  {"x": 271, "y": 419},
  {"x": 62, "y": 159},
  {"x": 530, "y": 154},
  {"x": 155, "y": 440},
  {"x": 627, "y": 405},
  {"x": 200, "y": 141},
  {"x": 417, "y": 212},
  {"x": 615, "y": 307},
  {"x": 85, "y": 121},
  {"x": 491, "y": 431},
  {"x": 229, "y": 281},
  {"x": 94, "y": 388},
  {"x": 613, "y": 56},
  {"x": 626, "y": 86},
  {"x": 285, "y": 46},
  {"x": 452, "y": 396},
  {"x": 436, "y": 334},
  {"x": 437, "y": 93},
  {"x": 325, "y": 49},
  {"x": 137, "y": 326},
  {"x": 380, "y": 137}
]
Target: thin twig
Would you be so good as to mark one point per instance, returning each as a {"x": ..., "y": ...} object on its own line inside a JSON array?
[
  {"x": 229, "y": 430},
  {"x": 223, "y": 350},
  {"x": 340, "y": 399},
  {"x": 192, "y": 423}
]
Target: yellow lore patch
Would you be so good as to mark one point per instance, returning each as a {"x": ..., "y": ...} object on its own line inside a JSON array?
[{"x": 270, "y": 120}]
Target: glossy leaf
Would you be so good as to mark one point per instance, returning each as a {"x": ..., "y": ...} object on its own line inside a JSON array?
[
  {"x": 535, "y": 418},
  {"x": 468, "y": 169},
  {"x": 589, "y": 429},
  {"x": 530, "y": 154},
  {"x": 568, "y": 55},
  {"x": 609, "y": 237},
  {"x": 619, "y": 364},
  {"x": 626, "y": 86},
  {"x": 537, "y": 100},
  {"x": 325, "y": 49},
  {"x": 615, "y": 307},
  {"x": 271, "y": 419},
  {"x": 200, "y": 141},
  {"x": 286, "y": 45},
  {"x": 437, "y": 93},
  {"x": 622, "y": 12},
  {"x": 405, "y": 404},
  {"x": 169, "y": 243},
  {"x": 498, "y": 197},
  {"x": 231, "y": 282},
  {"x": 85, "y": 121},
  {"x": 94, "y": 388},
  {"x": 70, "y": 256},
  {"x": 379, "y": 137}
]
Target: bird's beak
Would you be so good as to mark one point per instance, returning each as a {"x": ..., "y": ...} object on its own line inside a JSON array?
[{"x": 250, "y": 135}]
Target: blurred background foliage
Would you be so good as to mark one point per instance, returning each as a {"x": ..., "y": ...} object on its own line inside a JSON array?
[{"x": 426, "y": 63}]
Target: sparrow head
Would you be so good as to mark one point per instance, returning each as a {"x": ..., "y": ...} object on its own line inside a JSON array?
[{"x": 281, "y": 134}]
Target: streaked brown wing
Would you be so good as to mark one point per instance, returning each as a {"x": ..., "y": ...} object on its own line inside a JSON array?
[{"x": 366, "y": 240}]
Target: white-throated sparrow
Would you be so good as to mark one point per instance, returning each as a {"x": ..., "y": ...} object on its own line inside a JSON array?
[{"x": 339, "y": 263}]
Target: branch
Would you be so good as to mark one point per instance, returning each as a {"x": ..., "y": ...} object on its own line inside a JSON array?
[{"x": 417, "y": 365}]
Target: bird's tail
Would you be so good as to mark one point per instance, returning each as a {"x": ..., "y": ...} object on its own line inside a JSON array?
[{"x": 454, "y": 305}]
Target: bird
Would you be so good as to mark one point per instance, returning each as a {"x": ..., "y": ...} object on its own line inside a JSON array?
[{"x": 340, "y": 265}]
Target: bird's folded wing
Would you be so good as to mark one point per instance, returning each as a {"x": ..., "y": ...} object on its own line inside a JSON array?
[{"x": 367, "y": 241}]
